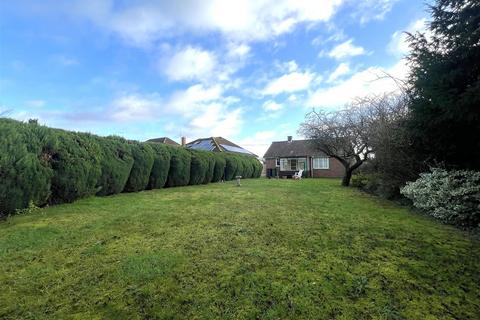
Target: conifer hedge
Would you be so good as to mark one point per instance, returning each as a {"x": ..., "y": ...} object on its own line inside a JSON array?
[
  {"x": 231, "y": 166},
  {"x": 116, "y": 162},
  {"x": 219, "y": 168},
  {"x": 42, "y": 165},
  {"x": 142, "y": 166},
  {"x": 179, "y": 173},
  {"x": 25, "y": 172},
  {"x": 161, "y": 166},
  {"x": 198, "y": 167},
  {"x": 211, "y": 167},
  {"x": 76, "y": 166}
]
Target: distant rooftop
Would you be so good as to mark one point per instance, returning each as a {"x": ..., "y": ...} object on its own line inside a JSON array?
[
  {"x": 218, "y": 144},
  {"x": 165, "y": 140}
]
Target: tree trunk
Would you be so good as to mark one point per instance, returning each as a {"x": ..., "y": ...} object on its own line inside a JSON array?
[{"x": 347, "y": 177}]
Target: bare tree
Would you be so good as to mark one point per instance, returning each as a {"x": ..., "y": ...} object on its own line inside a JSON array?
[{"x": 349, "y": 135}]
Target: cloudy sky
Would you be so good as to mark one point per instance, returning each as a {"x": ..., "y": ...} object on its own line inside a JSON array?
[{"x": 245, "y": 70}]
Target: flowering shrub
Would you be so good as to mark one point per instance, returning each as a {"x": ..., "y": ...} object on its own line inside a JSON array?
[{"x": 451, "y": 196}]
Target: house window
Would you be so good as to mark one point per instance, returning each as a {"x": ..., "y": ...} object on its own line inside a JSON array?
[
  {"x": 278, "y": 162},
  {"x": 292, "y": 164},
  {"x": 321, "y": 163}
]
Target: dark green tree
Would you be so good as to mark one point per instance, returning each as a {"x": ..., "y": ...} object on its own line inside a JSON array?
[{"x": 445, "y": 86}]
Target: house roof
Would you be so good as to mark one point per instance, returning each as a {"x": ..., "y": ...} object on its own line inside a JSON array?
[
  {"x": 294, "y": 148},
  {"x": 165, "y": 140},
  {"x": 217, "y": 144}
]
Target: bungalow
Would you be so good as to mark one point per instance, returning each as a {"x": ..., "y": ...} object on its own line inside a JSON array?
[{"x": 284, "y": 158}]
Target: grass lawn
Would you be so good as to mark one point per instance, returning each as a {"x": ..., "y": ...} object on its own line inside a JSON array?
[{"x": 271, "y": 249}]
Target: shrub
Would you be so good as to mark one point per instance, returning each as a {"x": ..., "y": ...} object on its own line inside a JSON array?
[
  {"x": 368, "y": 182},
  {"x": 76, "y": 166},
  {"x": 161, "y": 165},
  {"x": 142, "y": 166},
  {"x": 25, "y": 171},
  {"x": 116, "y": 162},
  {"x": 247, "y": 167},
  {"x": 210, "y": 156},
  {"x": 219, "y": 169},
  {"x": 179, "y": 173},
  {"x": 451, "y": 196},
  {"x": 198, "y": 167},
  {"x": 231, "y": 166}
]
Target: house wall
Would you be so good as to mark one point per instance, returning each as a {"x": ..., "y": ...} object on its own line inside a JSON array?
[
  {"x": 336, "y": 170},
  {"x": 270, "y": 163}
]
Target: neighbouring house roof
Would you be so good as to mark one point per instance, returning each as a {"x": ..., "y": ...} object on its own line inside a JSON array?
[
  {"x": 165, "y": 140},
  {"x": 293, "y": 148},
  {"x": 217, "y": 144}
]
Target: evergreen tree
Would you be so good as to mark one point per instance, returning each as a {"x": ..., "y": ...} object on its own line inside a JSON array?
[{"x": 445, "y": 86}]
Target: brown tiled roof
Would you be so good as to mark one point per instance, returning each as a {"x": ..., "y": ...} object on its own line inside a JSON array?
[
  {"x": 217, "y": 144},
  {"x": 165, "y": 140},
  {"x": 294, "y": 148}
]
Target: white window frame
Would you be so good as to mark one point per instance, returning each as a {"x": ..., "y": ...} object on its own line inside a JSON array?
[
  {"x": 286, "y": 164},
  {"x": 321, "y": 163}
]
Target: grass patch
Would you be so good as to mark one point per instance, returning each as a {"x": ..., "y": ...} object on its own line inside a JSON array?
[{"x": 271, "y": 249}]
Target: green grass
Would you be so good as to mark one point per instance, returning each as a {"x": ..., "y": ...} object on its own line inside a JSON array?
[{"x": 271, "y": 249}]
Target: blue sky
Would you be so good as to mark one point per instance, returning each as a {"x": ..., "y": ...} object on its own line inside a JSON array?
[{"x": 245, "y": 70}]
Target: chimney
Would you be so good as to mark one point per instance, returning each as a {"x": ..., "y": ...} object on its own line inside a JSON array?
[
  {"x": 289, "y": 138},
  {"x": 184, "y": 141}
]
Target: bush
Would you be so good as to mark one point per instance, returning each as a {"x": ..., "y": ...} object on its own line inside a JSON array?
[
  {"x": 198, "y": 167},
  {"x": 368, "y": 182},
  {"x": 25, "y": 171},
  {"x": 219, "y": 169},
  {"x": 451, "y": 196},
  {"x": 179, "y": 173},
  {"x": 247, "y": 167},
  {"x": 161, "y": 165},
  {"x": 116, "y": 162},
  {"x": 258, "y": 169},
  {"x": 210, "y": 156},
  {"x": 231, "y": 166},
  {"x": 142, "y": 166},
  {"x": 76, "y": 166}
]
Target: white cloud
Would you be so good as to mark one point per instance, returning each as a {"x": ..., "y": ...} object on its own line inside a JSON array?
[
  {"x": 189, "y": 64},
  {"x": 141, "y": 22},
  {"x": 342, "y": 69},
  {"x": 398, "y": 45},
  {"x": 238, "y": 50},
  {"x": 369, "y": 81},
  {"x": 367, "y": 10},
  {"x": 345, "y": 50},
  {"x": 134, "y": 107},
  {"x": 189, "y": 101},
  {"x": 259, "y": 142},
  {"x": 215, "y": 120},
  {"x": 271, "y": 105},
  {"x": 292, "y": 82}
]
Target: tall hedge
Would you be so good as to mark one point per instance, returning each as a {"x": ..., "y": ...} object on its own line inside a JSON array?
[
  {"x": 76, "y": 166},
  {"x": 116, "y": 162},
  {"x": 198, "y": 167},
  {"x": 142, "y": 166},
  {"x": 219, "y": 169},
  {"x": 258, "y": 169},
  {"x": 231, "y": 166},
  {"x": 210, "y": 156},
  {"x": 25, "y": 171},
  {"x": 161, "y": 165},
  {"x": 179, "y": 173}
]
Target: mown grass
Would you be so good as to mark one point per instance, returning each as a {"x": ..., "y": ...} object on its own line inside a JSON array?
[{"x": 271, "y": 249}]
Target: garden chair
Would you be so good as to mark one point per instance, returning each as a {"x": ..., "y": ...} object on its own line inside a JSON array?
[{"x": 298, "y": 175}]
